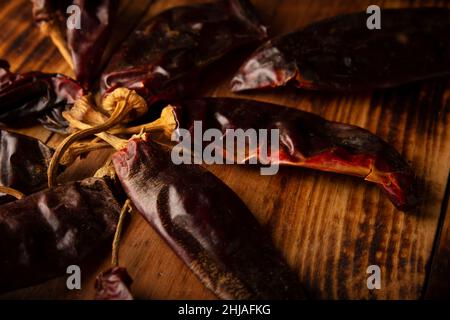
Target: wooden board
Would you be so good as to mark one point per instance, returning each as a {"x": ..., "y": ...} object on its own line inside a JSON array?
[{"x": 329, "y": 227}]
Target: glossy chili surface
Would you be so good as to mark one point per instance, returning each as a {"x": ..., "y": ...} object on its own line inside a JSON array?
[
  {"x": 42, "y": 234},
  {"x": 341, "y": 53},
  {"x": 23, "y": 163},
  {"x": 27, "y": 96},
  {"x": 308, "y": 140},
  {"x": 205, "y": 223},
  {"x": 163, "y": 56}
]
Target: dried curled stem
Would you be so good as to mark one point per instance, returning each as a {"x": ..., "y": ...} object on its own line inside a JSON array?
[
  {"x": 121, "y": 113},
  {"x": 166, "y": 123},
  {"x": 84, "y": 110},
  {"x": 120, "y": 95},
  {"x": 79, "y": 149},
  {"x": 112, "y": 140},
  {"x": 116, "y": 241},
  {"x": 12, "y": 192}
]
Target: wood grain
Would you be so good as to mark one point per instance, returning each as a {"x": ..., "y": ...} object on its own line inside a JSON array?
[
  {"x": 329, "y": 227},
  {"x": 438, "y": 285}
]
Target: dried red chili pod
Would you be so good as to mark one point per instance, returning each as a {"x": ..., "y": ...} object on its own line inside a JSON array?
[
  {"x": 82, "y": 46},
  {"x": 341, "y": 53},
  {"x": 160, "y": 58},
  {"x": 42, "y": 234},
  {"x": 29, "y": 95},
  {"x": 113, "y": 284},
  {"x": 23, "y": 163},
  {"x": 306, "y": 140},
  {"x": 205, "y": 223}
]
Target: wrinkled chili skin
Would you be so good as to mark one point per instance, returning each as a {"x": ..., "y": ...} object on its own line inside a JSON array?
[
  {"x": 113, "y": 284},
  {"x": 308, "y": 140},
  {"x": 23, "y": 163},
  {"x": 342, "y": 54},
  {"x": 205, "y": 223},
  {"x": 163, "y": 57},
  {"x": 42, "y": 234},
  {"x": 26, "y": 96},
  {"x": 86, "y": 44}
]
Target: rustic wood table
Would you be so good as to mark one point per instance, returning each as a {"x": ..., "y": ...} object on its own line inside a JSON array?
[{"x": 329, "y": 227}]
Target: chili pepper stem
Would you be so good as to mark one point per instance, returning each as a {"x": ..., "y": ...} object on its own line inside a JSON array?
[
  {"x": 119, "y": 113},
  {"x": 111, "y": 139},
  {"x": 12, "y": 192},
  {"x": 84, "y": 110},
  {"x": 115, "y": 245},
  {"x": 73, "y": 152},
  {"x": 166, "y": 123}
]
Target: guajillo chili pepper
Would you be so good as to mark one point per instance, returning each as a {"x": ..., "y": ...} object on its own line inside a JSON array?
[
  {"x": 163, "y": 56},
  {"x": 42, "y": 234},
  {"x": 29, "y": 95},
  {"x": 83, "y": 45},
  {"x": 306, "y": 140},
  {"x": 342, "y": 53},
  {"x": 23, "y": 163},
  {"x": 205, "y": 223}
]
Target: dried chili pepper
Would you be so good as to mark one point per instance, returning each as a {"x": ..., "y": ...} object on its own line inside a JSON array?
[
  {"x": 341, "y": 53},
  {"x": 113, "y": 284},
  {"x": 82, "y": 46},
  {"x": 306, "y": 140},
  {"x": 42, "y": 234},
  {"x": 161, "y": 58},
  {"x": 23, "y": 163},
  {"x": 29, "y": 95},
  {"x": 205, "y": 223}
]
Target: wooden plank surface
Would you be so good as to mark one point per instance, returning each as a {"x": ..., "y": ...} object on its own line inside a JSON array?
[
  {"x": 329, "y": 227},
  {"x": 438, "y": 284}
]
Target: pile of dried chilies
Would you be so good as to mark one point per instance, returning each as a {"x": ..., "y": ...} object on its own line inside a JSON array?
[{"x": 203, "y": 221}]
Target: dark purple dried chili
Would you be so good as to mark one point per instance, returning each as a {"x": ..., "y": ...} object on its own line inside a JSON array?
[
  {"x": 26, "y": 96},
  {"x": 44, "y": 233},
  {"x": 113, "y": 284},
  {"x": 163, "y": 56},
  {"x": 23, "y": 163},
  {"x": 306, "y": 140},
  {"x": 341, "y": 53},
  {"x": 205, "y": 223},
  {"x": 82, "y": 47}
]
